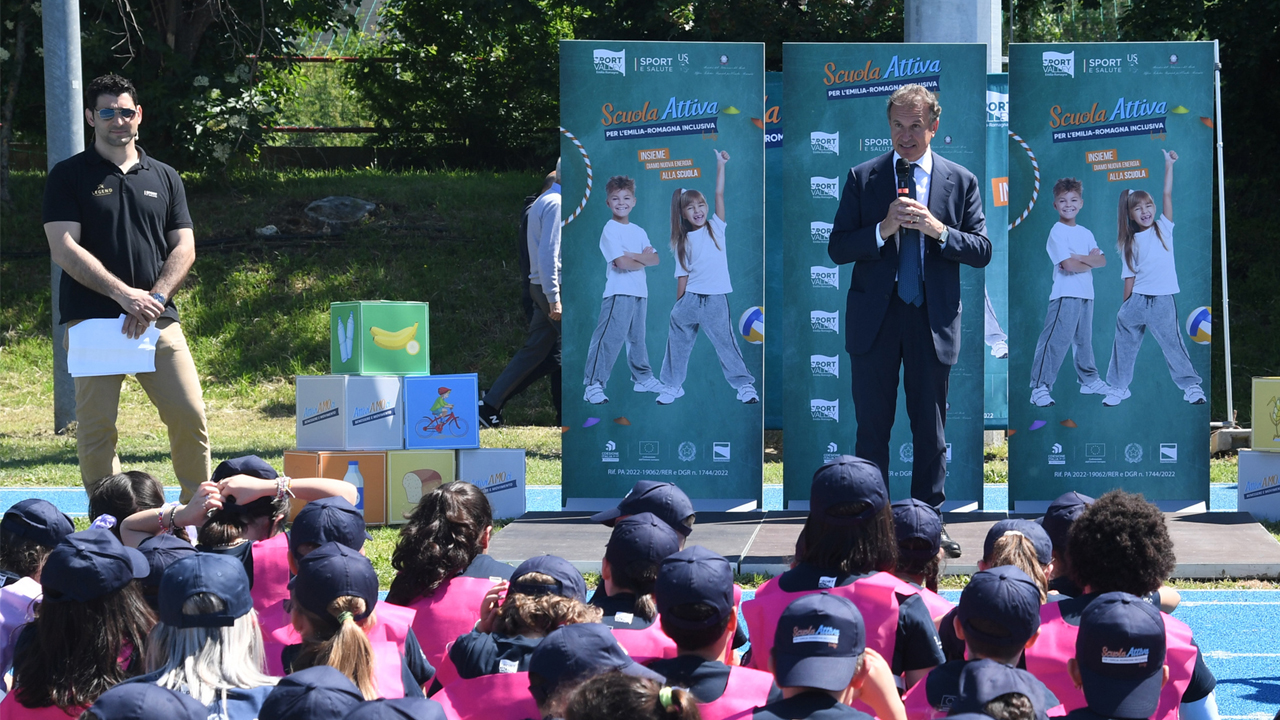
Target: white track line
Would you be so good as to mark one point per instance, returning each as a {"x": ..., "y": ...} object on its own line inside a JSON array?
[
  {"x": 1196, "y": 603},
  {"x": 1227, "y": 655}
]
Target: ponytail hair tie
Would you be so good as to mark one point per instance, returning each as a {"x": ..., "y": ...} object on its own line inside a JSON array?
[
  {"x": 666, "y": 696},
  {"x": 1007, "y": 533},
  {"x": 345, "y": 616}
]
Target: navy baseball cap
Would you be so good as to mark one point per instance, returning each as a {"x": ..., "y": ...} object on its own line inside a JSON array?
[
  {"x": 38, "y": 521},
  {"x": 694, "y": 575},
  {"x": 250, "y": 465},
  {"x": 332, "y": 571},
  {"x": 330, "y": 519},
  {"x": 568, "y": 581},
  {"x": 817, "y": 642},
  {"x": 1121, "y": 651},
  {"x": 844, "y": 480},
  {"x": 146, "y": 701},
  {"x": 641, "y": 538},
  {"x": 220, "y": 575},
  {"x": 161, "y": 551},
  {"x": 1028, "y": 529},
  {"x": 581, "y": 651},
  {"x": 982, "y": 681},
  {"x": 913, "y": 519},
  {"x": 89, "y": 564},
  {"x": 317, "y": 693},
  {"x": 1006, "y": 604},
  {"x": 663, "y": 499},
  {"x": 1060, "y": 516},
  {"x": 406, "y": 708}
]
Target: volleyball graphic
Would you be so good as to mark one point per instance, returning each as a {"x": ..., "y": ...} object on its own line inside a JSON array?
[
  {"x": 751, "y": 325},
  {"x": 1200, "y": 325}
]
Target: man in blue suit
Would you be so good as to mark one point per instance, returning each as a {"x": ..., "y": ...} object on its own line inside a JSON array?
[{"x": 903, "y": 310}]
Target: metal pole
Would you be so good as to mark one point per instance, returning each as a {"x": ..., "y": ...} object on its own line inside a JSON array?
[
  {"x": 1222, "y": 233},
  {"x": 64, "y": 133}
]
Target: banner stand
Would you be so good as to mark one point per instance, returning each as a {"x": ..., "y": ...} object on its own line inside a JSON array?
[{"x": 1222, "y": 235}]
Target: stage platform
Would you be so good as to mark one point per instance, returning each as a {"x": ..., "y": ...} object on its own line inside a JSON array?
[{"x": 1208, "y": 545}]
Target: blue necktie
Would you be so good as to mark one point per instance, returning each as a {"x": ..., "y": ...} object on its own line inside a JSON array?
[{"x": 909, "y": 257}]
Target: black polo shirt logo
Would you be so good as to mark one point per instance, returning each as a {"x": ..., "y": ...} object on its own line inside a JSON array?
[
  {"x": 102, "y": 191},
  {"x": 151, "y": 193}
]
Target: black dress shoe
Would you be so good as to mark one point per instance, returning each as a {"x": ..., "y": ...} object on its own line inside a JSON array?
[{"x": 949, "y": 546}]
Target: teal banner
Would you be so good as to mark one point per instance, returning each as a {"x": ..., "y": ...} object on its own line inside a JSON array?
[
  {"x": 836, "y": 103},
  {"x": 1110, "y": 180},
  {"x": 773, "y": 244},
  {"x": 995, "y": 404},
  {"x": 662, "y": 156}
]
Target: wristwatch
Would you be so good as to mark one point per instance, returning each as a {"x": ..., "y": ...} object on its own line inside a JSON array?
[{"x": 158, "y": 298}]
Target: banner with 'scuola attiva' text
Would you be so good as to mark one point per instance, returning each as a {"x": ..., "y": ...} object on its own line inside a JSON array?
[
  {"x": 836, "y": 102},
  {"x": 662, "y": 150},
  {"x": 1110, "y": 270}
]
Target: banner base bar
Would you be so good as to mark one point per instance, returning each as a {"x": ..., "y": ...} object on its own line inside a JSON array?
[
  {"x": 703, "y": 505},
  {"x": 1038, "y": 507},
  {"x": 962, "y": 506}
]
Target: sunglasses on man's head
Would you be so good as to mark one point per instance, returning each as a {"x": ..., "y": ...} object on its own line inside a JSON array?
[{"x": 110, "y": 113}]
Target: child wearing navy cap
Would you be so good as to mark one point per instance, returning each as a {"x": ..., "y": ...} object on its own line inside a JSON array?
[
  {"x": 637, "y": 546},
  {"x": 849, "y": 547},
  {"x": 1120, "y": 658},
  {"x": 397, "y": 709},
  {"x": 569, "y": 657},
  {"x": 318, "y": 693},
  {"x": 694, "y": 595},
  {"x": 143, "y": 701},
  {"x": 443, "y": 570},
  {"x": 207, "y": 643},
  {"x": 998, "y": 616},
  {"x": 614, "y": 695},
  {"x": 28, "y": 533},
  {"x": 333, "y": 600},
  {"x": 90, "y": 630},
  {"x": 663, "y": 499},
  {"x": 918, "y": 528},
  {"x": 818, "y": 660},
  {"x": 1129, "y": 550},
  {"x": 1001, "y": 692}
]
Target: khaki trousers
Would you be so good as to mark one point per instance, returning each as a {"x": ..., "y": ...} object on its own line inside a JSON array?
[{"x": 174, "y": 389}]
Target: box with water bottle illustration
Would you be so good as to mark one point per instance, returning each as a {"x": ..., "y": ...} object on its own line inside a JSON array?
[
  {"x": 349, "y": 412},
  {"x": 441, "y": 412},
  {"x": 366, "y": 470},
  {"x": 377, "y": 337}
]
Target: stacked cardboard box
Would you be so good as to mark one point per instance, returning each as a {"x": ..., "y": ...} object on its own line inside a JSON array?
[
  {"x": 384, "y": 422},
  {"x": 1258, "y": 484}
]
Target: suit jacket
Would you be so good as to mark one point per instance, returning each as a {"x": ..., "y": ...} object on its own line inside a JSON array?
[{"x": 954, "y": 199}]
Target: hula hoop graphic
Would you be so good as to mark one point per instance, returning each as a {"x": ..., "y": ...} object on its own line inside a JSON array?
[
  {"x": 586, "y": 160},
  {"x": 1035, "y": 192}
]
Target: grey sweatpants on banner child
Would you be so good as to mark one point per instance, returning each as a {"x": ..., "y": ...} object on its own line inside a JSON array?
[
  {"x": 622, "y": 320},
  {"x": 1068, "y": 324},
  {"x": 1159, "y": 315},
  {"x": 710, "y": 313}
]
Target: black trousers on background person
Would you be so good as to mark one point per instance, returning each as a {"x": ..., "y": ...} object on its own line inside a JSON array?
[{"x": 904, "y": 343}]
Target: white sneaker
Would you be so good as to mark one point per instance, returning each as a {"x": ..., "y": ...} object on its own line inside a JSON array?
[
  {"x": 1000, "y": 350},
  {"x": 595, "y": 394},
  {"x": 1114, "y": 396},
  {"x": 669, "y": 395},
  {"x": 1097, "y": 387},
  {"x": 1040, "y": 397},
  {"x": 1194, "y": 395},
  {"x": 651, "y": 385},
  {"x": 747, "y": 395}
]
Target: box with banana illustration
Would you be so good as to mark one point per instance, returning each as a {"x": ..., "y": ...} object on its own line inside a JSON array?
[{"x": 378, "y": 337}]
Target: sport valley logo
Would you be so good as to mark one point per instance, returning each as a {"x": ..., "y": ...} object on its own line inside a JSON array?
[
  {"x": 820, "y": 232},
  {"x": 824, "y": 322},
  {"x": 824, "y": 188},
  {"x": 824, "y": 277},
  {"x": 608, "y": 62},
  {"x": 824, "y": 366},
  {"x": 1058, "y": 64},
  {"x": 824, "y": 143},
  {"x": 824, "y": 410}
]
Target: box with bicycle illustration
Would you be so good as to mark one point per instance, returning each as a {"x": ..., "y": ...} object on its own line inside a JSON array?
[
  {"x": 377, "y": 337},
  {"x": 441, "y": 412}
]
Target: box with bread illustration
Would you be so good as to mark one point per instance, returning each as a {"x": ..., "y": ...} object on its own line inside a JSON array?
[{"x": 412, "y": 475}]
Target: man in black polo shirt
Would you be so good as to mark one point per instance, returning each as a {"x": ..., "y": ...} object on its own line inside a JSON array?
[{"x": 118, "y": 226}]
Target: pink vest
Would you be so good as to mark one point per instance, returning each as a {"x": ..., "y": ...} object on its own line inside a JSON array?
[
  {"x": 875, "y": 596},
  {"x": 277, "y": 634},
  {"x": 387, "y": 664},
  {"x": 450, "y": 611},
  {"x": 938, "y": 605},
  {"x": 17, "y": 608},
  {"x": 503, "y": 696},
  {"x": 747, "y": 690},
  {"x": 270, "y": 571},
  {"x": 647, "y": 644},
  {"x": 917, "y": 705},
  {"x": 387, "y": 636},
  {"x": 11, "y": 709},
  {"x": 1047, "y": 660}
]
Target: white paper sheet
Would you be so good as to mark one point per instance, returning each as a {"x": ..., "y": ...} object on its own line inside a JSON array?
[{"x": 97, "y": 347}]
